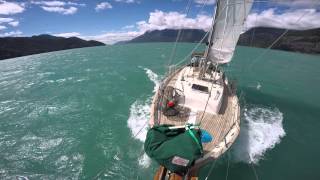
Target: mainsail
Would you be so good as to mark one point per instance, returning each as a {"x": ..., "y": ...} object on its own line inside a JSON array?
[{"x": 227, "y": 27}]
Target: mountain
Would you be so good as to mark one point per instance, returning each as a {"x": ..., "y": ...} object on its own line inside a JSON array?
[
  {"x": 170, "y": 35},
  {"x": 304, "y": 41},
  {"x": 11, "y": 47}
]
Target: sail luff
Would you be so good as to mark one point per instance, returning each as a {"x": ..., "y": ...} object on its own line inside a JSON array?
[{"x": 228, "y": 25}]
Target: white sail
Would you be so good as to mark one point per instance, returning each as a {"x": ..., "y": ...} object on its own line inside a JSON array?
[{"x": 229, "y": 21}]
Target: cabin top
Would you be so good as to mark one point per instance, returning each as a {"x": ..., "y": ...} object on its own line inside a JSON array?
[{"x": 197, "y": 92}]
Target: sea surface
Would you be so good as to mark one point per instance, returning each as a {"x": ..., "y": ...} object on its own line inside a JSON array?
[{"x": 81, "y": 114}]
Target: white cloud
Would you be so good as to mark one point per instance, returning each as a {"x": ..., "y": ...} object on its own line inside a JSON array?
[
  {"x": 108, "y": 38},
  {"x": 205, "y": 1},
  {"x": 2, "y": 27},
  {"x": 9, "y": 21},
  {"x": 309, "y": 18},
  {"x": 127, "y": 1},
  {"x": 113, "y": 37},
  {"x": 69, "y": 34},
  {"x": 61, "y": 10},
  {"x": 103, "y": 5},
  {"x": 62, "y": 7},
  {"x": 57, "y": 3},
  {"x": 159, "y": 20},
  {"x": 11, "y": 33},
  {"x": 49, "y": 3},
  {"x": 173, "y": 20},
  {"x": 76, "y": 4},
  {"x": 7, "y": 8},
  {"x": 14, "y": 23},
  {"x": 6, "y": 20}
]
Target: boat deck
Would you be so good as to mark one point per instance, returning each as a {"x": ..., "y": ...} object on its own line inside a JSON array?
[{"x": 218, "y": 125}]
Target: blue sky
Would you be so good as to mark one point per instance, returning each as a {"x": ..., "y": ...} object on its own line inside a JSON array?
[{"x": 110, "y": 21}]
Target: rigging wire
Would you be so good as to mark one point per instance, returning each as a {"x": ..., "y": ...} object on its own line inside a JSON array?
[
  {"x": 254, "y": 171},
  {"x": 193, "y": 50},
  {"x": 255, "y": 22},
  {"x": 216, "y": 67},
  {"x": 213, "y": 24},
  {"x": 204, "y": 2},
  {"x": 173, "y": 52},
  {"x": 211, "y": 168},
  {"x": 228, "y": 156},
  {"x": 205, "y": 108}
]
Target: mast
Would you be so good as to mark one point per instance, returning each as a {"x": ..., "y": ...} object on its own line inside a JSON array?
[
  {"x": 209, "y": 41},
  {"x": 203, "y": 65}
]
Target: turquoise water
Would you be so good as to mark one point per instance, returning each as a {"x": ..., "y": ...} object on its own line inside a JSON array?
[{"x": 74, "y": 114}]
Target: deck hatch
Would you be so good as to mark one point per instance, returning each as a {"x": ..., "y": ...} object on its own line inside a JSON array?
[{"x": 200, "y": 88}]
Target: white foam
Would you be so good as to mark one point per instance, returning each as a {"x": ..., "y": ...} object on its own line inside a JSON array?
[
  {"x": 258, "y": 86},
  {"x": 144, "y": 161},
  {"x": 140, "y": 111},
  {"x": 61, "y": 80},
  {"x": 154, "y": 78},
  {"x": 140, "y": 115},
  {"x": 82, "y": 79},
  {"x": 138, "y": 119},
  {"x": 261, "y": 130}
]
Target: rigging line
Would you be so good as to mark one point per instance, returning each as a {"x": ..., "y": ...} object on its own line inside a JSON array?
[
  {"x": 193, "y": 50},
  {"x": 205, "y": 108},
  {"x": 255, "y": 22},
  {"x": 204, "y": 2},
  {"x": 254, "y": 171},
  {"x": 213, "y": 24},
  {"x": 228, "y": 155},
  {"x": 211, "y": 168},
  {"x": 144, "y": 125},
  {"x": 173, "y": 52},
  {"x": 274, "y": 42}
]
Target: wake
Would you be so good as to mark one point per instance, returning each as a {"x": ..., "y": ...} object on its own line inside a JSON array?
[
  {"x": 140, "y": 110},
  {"x": 261, "y": 130},
  {"x": 140, "y": 115}
]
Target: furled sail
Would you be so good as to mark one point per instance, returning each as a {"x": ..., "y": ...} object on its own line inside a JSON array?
[{"x": 229, "y": 20}]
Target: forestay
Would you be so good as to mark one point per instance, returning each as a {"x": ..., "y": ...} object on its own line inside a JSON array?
[{"x": 229, "y": 21}]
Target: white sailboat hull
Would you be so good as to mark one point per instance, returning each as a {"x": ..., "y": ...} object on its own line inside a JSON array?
[{"x": 220, "y": 117}]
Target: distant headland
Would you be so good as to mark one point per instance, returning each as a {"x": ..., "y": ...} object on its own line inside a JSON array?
[
  {"x": 303, "y": 41},
  {"x": 11, "y": 47}
]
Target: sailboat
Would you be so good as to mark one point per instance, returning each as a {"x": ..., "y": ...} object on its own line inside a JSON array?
[{"x": 195, "y": 113}]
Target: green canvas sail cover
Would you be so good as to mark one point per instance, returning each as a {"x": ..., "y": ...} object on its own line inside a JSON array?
[{"x": 176, "y": 149}]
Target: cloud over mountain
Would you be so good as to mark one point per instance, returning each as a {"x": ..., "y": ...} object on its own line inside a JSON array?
[
  {"x": 289, "y": 19},
  {"x": 159, "y": 20}
]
